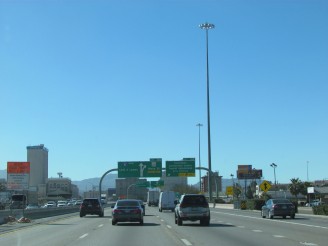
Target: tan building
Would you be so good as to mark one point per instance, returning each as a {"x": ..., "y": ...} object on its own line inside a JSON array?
[
  {"x": 216, "y": 183},
  {"x": 170, "y": 182},
  {"x": 59, "y": 187},
  {"x": 38, "y": 158},
  {"x": 127, "y": 188}
]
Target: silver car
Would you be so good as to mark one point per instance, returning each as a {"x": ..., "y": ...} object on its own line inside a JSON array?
[
  {"x": 127, "y": 210},
  {"x": 192, "y": 207}
]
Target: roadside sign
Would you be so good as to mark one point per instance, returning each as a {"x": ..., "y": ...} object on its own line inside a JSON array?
[
  {"x": 137, "y": 169},
  {"x": 143, "y": 184},
  {"x": 154, "y": 184},
  {"x": 184, "y": 168},
  {"x": 18, "y": 175},
  {"x": 265, "y": 186},
  {"x": 229, "y": 190}
]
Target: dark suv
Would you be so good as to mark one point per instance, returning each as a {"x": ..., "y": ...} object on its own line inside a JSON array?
[
  {"x": 91, "y": 206},
  {"x": 192, "y": 207}
]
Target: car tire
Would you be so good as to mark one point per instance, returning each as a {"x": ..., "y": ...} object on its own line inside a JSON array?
[
  {"x": 114, "y": 222},
  {"x": 262, "y": 214},
  {"x": 205, "y": 222},
  {"x": 141, "y": 222},
  {"x": 160, "y": 210},
  {"x": 175, "y": 219},
  {"x": 179, "y": 221},
  {"x": 292, "y": 216},
  {"x": 82, "y": 215}
]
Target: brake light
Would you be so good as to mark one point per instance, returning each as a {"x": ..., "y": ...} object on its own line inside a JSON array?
[
  {"x": 182, "y": 205},
  {"x": 117, "y": 211}
]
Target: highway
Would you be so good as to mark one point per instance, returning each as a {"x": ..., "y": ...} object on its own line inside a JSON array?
[{"x": 228, "y": 227}]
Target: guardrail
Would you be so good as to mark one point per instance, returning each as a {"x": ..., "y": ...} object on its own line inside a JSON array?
[{"x": 37, "y": 213}]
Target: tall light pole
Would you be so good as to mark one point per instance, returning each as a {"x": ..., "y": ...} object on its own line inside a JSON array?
[
  {"x": 199, "y": 165},
  {"x": 275, "y": 180},
  {"x": 208, "y": 26},
  {"x": 307, "y": 171}
]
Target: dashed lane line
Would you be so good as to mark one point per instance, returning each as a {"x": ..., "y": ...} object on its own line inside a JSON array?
[
  {"x": 186, "y": 242},
  {"x": 84, "y": 235}
]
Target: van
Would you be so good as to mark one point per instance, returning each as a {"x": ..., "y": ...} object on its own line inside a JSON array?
[{"x": 166, "y": 201}]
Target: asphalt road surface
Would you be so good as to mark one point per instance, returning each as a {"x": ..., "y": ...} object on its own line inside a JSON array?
[{"x": 228, "y": 227}]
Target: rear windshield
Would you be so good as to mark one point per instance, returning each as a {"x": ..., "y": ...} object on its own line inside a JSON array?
[
  {"x": 127, "y": 203},
  {"x": 196, "y": 200},
  {"x": 91, "y": 202},
  {"x": 281, "y": 201}
]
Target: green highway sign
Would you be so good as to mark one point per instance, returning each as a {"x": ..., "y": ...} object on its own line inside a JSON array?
[
  {"x": 154, "y": 184},
  {"x": 143, "y": 184},
  {"x": 184, "y": 168},
  {"x": 138, "y": 169}
]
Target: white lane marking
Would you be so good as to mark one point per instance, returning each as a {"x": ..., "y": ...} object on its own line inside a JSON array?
[
  {"x": 279, "y": 236},
  {"x": 84, "y": 235},
  {"x": 308, "y": 244},
  {"x": 162, "y": 220},
  {"x": 186, "y": 242},
  {"x": 256, "y": 230},
  {"x": 278, "y": 221},
  {"x": 101, "y": 225},
  {"x": 168, "y": 226},
  {"x": 241, "y": 226}
]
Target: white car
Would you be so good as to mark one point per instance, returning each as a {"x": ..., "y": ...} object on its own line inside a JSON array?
[
  {"x": 61, "y": 204},
  {"x": 51, "y": 204}
]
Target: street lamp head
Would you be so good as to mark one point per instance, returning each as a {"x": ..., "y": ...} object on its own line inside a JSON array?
[
  {"x": 199, "y": 124},
  {"x": 273, "y": 165},
  {"x": 206, "y": 26}
]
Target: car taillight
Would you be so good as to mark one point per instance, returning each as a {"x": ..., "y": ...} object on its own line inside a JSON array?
[
  {"x": 182, "y": 205},
  {"x": 117, "y": 211}
]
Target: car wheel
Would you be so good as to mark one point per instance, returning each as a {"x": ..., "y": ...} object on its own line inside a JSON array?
[
  {"x": 141, "y": 222},
  {"x": 175, "y": 219},
  {"x": 205, "y": 222},
  {"x": 270, "y": 216},
  {"x": 179, "y": 221},
  {"x": 160, "y": 209},
  {"x": 284, "y": 217},
  {"x": 81, "y": 215},
  {"x": 292, "y": 216},
  {"x": 262, "y": 214},
  {"x": 114, "y": 222}
]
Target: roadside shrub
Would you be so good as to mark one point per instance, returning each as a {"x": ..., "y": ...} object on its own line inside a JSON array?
[{"x": 320, "y": 210}]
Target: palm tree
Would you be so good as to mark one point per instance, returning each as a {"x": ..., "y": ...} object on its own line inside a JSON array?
[{"x": 296, "y": 186}]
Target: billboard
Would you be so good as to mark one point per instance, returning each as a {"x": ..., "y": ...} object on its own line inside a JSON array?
[
  {"x": 247, "y": 172},
  {"x": 18, "y": 175}
]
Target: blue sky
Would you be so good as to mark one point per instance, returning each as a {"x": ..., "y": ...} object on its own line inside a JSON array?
[{"x": 98, "y": 82}]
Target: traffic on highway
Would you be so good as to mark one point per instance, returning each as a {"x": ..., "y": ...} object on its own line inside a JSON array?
[{"x": 227, "y": 227}]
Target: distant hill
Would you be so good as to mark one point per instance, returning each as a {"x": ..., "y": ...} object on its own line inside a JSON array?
[{"x": 89, "y": 184}]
